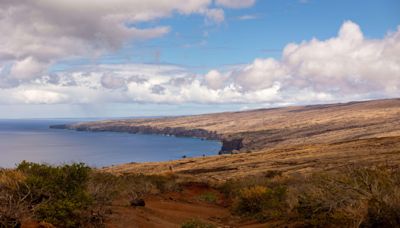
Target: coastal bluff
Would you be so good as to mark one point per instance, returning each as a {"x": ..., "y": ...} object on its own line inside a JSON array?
[{"x": 275, "y": 128}]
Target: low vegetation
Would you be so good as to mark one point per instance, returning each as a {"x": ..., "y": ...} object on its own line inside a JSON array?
[
  {"x": 68, "y": 195},
  {"x": 78, "y": 196},
  {"x": 208, "y": 197},
  {"x": 350, "y": 197},
  {"x": 196, "y": 223},
  {"x": 357, "y": 197}
]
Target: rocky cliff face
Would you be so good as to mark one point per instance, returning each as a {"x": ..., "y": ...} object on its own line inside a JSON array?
[{"x": 231, "y": 145}]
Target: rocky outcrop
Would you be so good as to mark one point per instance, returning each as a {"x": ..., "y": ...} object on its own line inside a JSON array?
[
  {"x": 59, "y": 126},
  {"x": 231, "y": 145}
]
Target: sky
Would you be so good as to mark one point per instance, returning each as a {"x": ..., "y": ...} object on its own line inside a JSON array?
[{"x": 120, "y": 58}]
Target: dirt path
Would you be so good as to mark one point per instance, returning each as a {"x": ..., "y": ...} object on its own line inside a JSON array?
[{"x": 173, "y": 209}]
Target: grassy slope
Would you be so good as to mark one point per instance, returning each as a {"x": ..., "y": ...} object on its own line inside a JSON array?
[{"x": 289, "y": 139}]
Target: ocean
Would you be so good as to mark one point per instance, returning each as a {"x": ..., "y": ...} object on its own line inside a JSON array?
[{"x": 33, "y": 140}]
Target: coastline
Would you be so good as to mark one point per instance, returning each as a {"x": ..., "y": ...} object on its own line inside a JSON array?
[
  {"x": 290, "y": 139},
  {"x": 227, "y": 145}
]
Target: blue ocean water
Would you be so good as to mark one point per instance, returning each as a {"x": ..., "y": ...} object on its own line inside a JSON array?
[{"x": 33, "y": 140}]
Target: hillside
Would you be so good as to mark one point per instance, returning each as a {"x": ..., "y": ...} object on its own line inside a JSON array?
[
  {"x": 291, "y": 139},
  {"x": 313, "y": 166}
]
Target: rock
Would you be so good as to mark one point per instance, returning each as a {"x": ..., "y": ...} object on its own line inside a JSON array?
[
  {"x": 230, "y": 145},
  {"x": 137, "y": 203},
  {"x": 59, "y": 126}
]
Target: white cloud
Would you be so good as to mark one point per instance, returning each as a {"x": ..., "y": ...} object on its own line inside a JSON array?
[
  {"x": 346, "y": 67},
  {"x": 247, "y": 17},
  {"x": 112, "y": 82},
  {"x": 34, "y": 96},
  {"x": 37, "y": 33},
  {"x": 261, "y": 74},
  {"x": 215, "y": 80},
  {"x": 27, "y": 68},
  {"x": 236, "y": 4},
  {"x": 214, "y": 16},
  {"x": 346, "y": 64}
]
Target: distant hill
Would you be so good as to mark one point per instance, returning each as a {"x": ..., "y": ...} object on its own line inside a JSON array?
[{"x": 298, "y": 138}]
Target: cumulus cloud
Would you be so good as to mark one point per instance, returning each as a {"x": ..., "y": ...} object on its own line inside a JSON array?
[
  {"x": 34, "y": 96},
  {"x": 261, "y": 74},
  {"x": 214, "y": 16},
  {"x": 236, "y": 4},
  {"x": 27, "y": 68},
  {"x": 346, "y": 64},
  {"x": 247, "y": 17},
  {"x": 346, "y": 67},
  {"x": 37, "y": 33},
  {"x": 112, "y": 82},
  {"x": 215, "y": 80}
]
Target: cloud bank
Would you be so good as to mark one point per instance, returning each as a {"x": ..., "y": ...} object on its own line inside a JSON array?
[
  {"x": 346, "y": 67},
  {"x": 38, "y": 33},
  {"x": 235, "y": 4}
]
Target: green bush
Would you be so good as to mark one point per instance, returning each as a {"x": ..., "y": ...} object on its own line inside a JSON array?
[
  {"x": 208, "y": 197},
  {"x": 69, "y": 195},
  {"x": 58, "y": 193}
]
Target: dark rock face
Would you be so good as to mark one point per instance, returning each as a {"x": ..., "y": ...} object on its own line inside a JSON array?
[
  {"x": 140, "y": 129},
  {"x": 137, "y": 203},
  {"x": 59, "y": 126},
  {"x": 230, "y": 145},
  {"x": 178, "y": 131}
]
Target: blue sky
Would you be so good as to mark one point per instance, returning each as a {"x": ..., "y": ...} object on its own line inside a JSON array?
[
  {"x": 277, "y": 23},
  {"x": 78, "y": 72}
]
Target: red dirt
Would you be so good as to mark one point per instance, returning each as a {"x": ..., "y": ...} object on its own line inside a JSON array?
[{"x": 175, "y": 208}]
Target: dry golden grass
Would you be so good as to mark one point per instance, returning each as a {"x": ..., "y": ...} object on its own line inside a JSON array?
[
  {"x": 292, "y": 139},
  {"x": 291, "y": 160}
]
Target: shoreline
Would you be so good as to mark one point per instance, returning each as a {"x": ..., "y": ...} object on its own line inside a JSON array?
[
  {"x": 290, "y": 139},
  {"x": 228, "y": 146}
]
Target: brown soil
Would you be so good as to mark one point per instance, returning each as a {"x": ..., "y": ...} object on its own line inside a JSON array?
[{"x": 175, "y": 208}]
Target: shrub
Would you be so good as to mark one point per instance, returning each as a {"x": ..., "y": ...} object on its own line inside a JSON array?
[
  {"x": 196, "y": 223},
  {"x": 13, "y": 193},
  {"x": 58, "y": 193},
  {"x": 355, "y": 197},
  {"x": 209, "y": 197},
  {"x": 260, "y": 202},
  {"x": 136, "y": 186},
  {"x": 251, "y": 200},
  {"x": 269, "y": 178},
  {"x": 103, "y": 187},
  {"x": 69, "y": 195}
]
